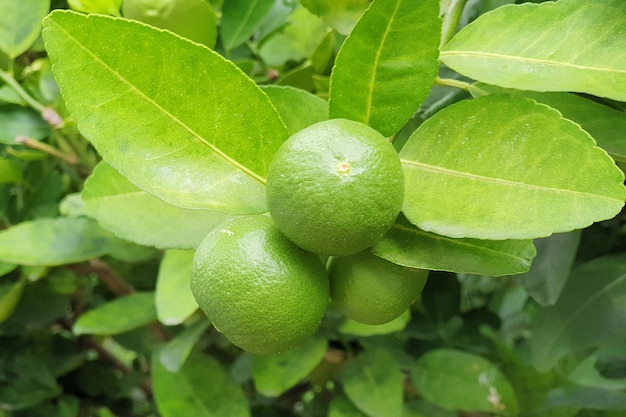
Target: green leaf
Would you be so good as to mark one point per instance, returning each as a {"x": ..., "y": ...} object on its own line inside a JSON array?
[
  {"x": 356, "y": 328},
  {"x": 17, "y": 121},
  {"x": 466, "y": 166},
  {"x": 275, "y": 374},
  {"x": 111, "y": 7},
  {"x": 174, "y": 300},
  {"x": 174, "y": 354},
  {"x": 456, "y": 380},
  {"x": 57, "y": 241},
  {"x": 20, "y": 24},
  {"x": 588, "y": 398},
  {"x": 136, "y": 215},
  {"x": 10, "y": 295},
  {"x": 118, "y": 316},
  {"x": 404, "y": 244},
  {"x": 181, "y": 128},
  {"x": 201, "y": 388},
  {"x": 298, "y": 108},
  {"x": 603, "y": 123},
  {"x": 10, "y": 172},
  {"x": 5, "y": 268},
  {"x": 240, "y": 19},
  {"x": 341, "y": 406},
  {"x": 341, "y": 15},
  {"x": 551, "y": 267},
  {"x": 387, "y": 65},
  {"x": 589, "y": 312},
  {"x": 569, "y": 45},
  {"x": 373, "y": 382}
]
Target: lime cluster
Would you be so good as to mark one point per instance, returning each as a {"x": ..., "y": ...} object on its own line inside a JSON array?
[{"x": 333, "y": 191}]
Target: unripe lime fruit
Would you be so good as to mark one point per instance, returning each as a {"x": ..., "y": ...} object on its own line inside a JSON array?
[
  {"x": 335, "y": 187},
  {"x": 260, "y": 290},
  {"x": 371, "y": 290},
  {"x": 192, "y": 19}
]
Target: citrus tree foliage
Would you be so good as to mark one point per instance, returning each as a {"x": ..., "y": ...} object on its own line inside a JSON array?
[{"x": 130, "y": 130}]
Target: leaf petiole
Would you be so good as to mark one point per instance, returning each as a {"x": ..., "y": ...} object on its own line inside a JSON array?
[{"x": 451, "y": 82}]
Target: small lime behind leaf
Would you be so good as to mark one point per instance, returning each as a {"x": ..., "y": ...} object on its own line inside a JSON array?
[
  {"x": 371, "y": 290},
  {"x": 335, "y": 187},
  {"x": 265, "y": 294}
]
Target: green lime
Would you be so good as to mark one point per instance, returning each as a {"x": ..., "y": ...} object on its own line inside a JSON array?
[
  {"x": 371, "y": 290},
  {"x": 260, "y": 290},
  {"x": 192, "y": 19},
  {"x": 335, "y": 187}
]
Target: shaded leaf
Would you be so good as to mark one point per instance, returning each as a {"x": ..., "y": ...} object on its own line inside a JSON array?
[
  {"x": 275, "y": 374},
  {"x": 174, "y": 354},
  {"x": 569, "y": 45},
  {"x": 201, "y": 388},
  {"x": 136, "y": 215},
  {"x": 587, "y": 397},
  {"x": 297, "y": 108},
  {"x": 20, "y": 24},
  {"x": 181, "y": 128},
  {"x": 240, "y": 19},
  {"x": 195, "y": 20},
  {"x": 404, "y": 244},
  {"x": 58, "y": 241},
  {"x": 16, "y": 121},
  {"x": 10, "y": 171},
  {"x": 383, "y": 71},
  {"x": 341, "y": 15},
  {"x": 174, "y": 300},
  {"x": 10, "y": 295},
  {"x": 341, "y": 406},
  {"x": 551, "y": 267},
  {"x": 118, "y": 316},
  {"x": 590, "y": 312},
  {"x": 456, "y": 380},
  {"x": 373, "y": 382},
  {"x": 466, "y": 166}
]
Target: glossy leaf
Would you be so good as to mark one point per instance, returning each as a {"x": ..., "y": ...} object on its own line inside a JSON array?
[
  {"x": 551, "y": 267},
  {"x": 385, "y": 68},
  {"x": 241, "y": 18},
  {"x": 341, "y": 15},
  {"x": 456, "y": 380},
  {"x": 57, "y": 241},
  {"x": 466, "y": 166},
  {"x": 404, "y": 244},
  {"x": 604, "y": 124},
  {"x": 111, "y": 7},
  {"x": 16, "y": 121},
  {"x": 20, "y": 24},
  {"x": 275, "y": 374},
  {"x": 174, "y": 300},
  {"x": 175, "y": 353},
  {"x": 136, "y": 215},
  {"x": 181, "y": 128},
  {"x": 569, "y": 45},
  {"x": 297, "y": 108},
  {"x": 118, "y": 316},
  {"x": 373, "y": 382},
  {"x": 589, "y": 312},
  {"x": 201, "y": 388}
]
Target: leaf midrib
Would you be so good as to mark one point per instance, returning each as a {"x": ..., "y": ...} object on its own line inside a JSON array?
[
  {"x": 522, "y": 59},
  {"x": 132, "y": 87},
  {"x": 468, "y": 175},
  {"x": 460, "y": 242}
]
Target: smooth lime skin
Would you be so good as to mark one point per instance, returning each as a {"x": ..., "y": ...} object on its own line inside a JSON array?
[
  {"x": 335, "y": 187},
  {"x": 371, "y": 290},
  {"x": 265, "y": 294},
  {"x": 193, "y": 19}
]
